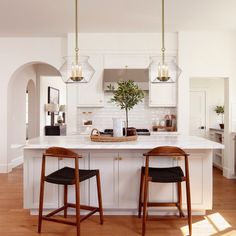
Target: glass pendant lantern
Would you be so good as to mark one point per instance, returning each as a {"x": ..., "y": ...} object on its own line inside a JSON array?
[
  {"x": 163, "y": 69},
  {"x": 167, "y": 72},
  {"x": 76, "y": 69},
  {"x": 79, "y": 71}
]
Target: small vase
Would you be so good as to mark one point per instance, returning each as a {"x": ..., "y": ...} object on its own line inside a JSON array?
[
  {"x": 221, "y": 126},
  {"x": 131, "y": 131}
]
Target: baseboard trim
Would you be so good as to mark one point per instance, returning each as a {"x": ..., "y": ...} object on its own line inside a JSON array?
[
  {"x": 14, "y": 163},
  {"x": 228, "y": 174}
]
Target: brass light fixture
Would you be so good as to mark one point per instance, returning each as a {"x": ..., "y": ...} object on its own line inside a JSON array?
[
  {"x": 163, "y": 69},
  {"x": 76, "y": 69}
]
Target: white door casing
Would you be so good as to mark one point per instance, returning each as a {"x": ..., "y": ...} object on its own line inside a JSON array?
[{"x": 198, "y": 124}]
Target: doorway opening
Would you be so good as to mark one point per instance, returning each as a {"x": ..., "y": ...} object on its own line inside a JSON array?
[
  {"x": 207, "y": 104},
  {"x": 26, "y": 98},
  {"x": 27, "y": 113}
]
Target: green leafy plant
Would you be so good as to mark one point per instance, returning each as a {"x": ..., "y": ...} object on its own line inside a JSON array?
[
  {"x": 220, "y": 111},
  {"x": 126, "y": 96}
]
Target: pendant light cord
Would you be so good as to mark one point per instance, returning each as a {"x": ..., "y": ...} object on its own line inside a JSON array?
[
  {"x": 163, "y": 32},
  {"x": 76, "y": 33}
]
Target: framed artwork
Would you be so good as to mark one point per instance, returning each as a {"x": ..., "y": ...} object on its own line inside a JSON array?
[{"x": 53, "y": 96}]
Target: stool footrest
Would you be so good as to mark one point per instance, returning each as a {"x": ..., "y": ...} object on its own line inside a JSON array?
[
  {"x": 58, "y": 220},
  {"x": 55, "y": 211},
  {"x": 83, "y": 207},
  {"x": 166, "y": 204},
  {"x": 89, "y": 214},
  {"x": 161, "y": 204},
  {"x": 156, "y": 218},
  {"x": 92, "y": 210}
]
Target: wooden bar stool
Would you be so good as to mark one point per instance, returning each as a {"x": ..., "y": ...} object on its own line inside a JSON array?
[
  {"x": 164, "y": 175},
  {"x": 68, "y": 176}
]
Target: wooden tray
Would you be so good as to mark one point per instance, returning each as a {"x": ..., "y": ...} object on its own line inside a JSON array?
[{"x": 97, "y": 137}]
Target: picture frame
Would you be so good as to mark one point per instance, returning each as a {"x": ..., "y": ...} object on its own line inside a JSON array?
[{"x": 53, "y": 96}]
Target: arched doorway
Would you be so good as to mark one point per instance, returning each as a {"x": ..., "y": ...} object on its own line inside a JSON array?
[{"x": 30, "y": 77}]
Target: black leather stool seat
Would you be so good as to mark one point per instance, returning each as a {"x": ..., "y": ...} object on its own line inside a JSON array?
[
  {"x": 165, "y": 175},
  {"x": 66, "y": 176}
]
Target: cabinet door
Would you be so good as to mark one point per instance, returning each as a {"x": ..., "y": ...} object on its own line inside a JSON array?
[
  {"x": 50, "y": 190},
  {"x": 107, "y": 163},
  {"x": 129, "y": 179},
  {"x": 162, "y": 192},
  {"x": 91, "y": 94},
  {"x": 119, "y": 61},
  {"x": 84, "y": 186},
  {"x": 162, "y": 95},
  {"x": 199, "y": 186}
]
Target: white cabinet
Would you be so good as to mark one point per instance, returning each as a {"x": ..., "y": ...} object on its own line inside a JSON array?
[
  {"x": 31, "y": 199},
  {"x": 162, "y": 95},
  {"x": 91, "y": 94},
  {"x": 107, "y": 163},
  {"x": 162, "y": 192},
  {"x": 119, "y": 61},
  {"x": 217, "y": 135},
  {"x": 53, "y": 194},
  {"x": 129, "y": 179},
  {"x": 119, "y": 172}
]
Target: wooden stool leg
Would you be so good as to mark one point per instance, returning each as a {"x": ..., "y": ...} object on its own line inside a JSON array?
[
  {"x": 140, "y": 195},
  {"x": 41, "y": 196},
  {"x": 77, "y": 197},
  {"x": 99, "y": 197},
  {"x": 179, "y": 190},
  {"x": 189, "y": 206},
  {"x": 145, "y": 205},
  {"x": 65, "y": 200}
]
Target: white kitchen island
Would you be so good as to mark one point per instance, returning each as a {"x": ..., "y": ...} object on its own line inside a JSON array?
[{"x": 119, "y": 165}]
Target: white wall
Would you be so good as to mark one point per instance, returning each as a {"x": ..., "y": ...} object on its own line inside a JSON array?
[
  {"x": 16, "y": 104},
  {"x": 32, "y": 110},
  {"x": 26, "y": 78},
  {"x": 215, "y": 97},
  {"x": 208, "y": 54},
  {"x": 15, "y": 53},
  {"x": 126, "y": 42}
]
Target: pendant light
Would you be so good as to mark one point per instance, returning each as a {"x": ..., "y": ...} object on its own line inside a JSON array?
[
  {"x": 76, "y": 69},
  {"x": 163, "y": 69}
]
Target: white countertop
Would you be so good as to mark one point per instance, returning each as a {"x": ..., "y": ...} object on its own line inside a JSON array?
[{"x": 143, "y": 142}]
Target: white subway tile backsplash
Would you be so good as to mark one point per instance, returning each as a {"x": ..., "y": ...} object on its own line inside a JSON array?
[{"x": 142, "y": 116}]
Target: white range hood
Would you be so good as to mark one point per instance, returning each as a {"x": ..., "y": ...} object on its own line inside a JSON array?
[{"x": 139, "y": 76}]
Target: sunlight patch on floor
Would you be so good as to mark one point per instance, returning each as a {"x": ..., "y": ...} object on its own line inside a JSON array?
[
  {"x": 230, "y": 233},
  {"x": 211, "y": 225},
  {"x": 219, "y": 222}
]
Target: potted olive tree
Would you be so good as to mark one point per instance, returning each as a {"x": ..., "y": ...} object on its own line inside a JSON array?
[
  {"x": 220, "y": 111},
  {"x": 126, "y": 96}
]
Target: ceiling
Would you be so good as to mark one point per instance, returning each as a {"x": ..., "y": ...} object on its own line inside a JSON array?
[{"x": 56, "y": 17}]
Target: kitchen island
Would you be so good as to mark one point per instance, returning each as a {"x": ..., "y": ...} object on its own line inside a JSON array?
[{"x": 119, "y": 165}]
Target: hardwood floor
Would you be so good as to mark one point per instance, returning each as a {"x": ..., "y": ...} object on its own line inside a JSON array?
[{"x": 15, "y": 221}]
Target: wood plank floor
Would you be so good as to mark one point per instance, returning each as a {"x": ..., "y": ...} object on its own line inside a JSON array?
[{"x": 15, "y": 221}]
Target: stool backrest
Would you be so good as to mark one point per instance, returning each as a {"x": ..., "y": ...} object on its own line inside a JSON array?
[
  {"x": 61, "y": 153},
  {"x": 167, "y": 151}
]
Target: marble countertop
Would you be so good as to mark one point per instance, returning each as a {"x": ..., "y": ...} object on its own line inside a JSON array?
[{"x": 143, "y": 142}]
